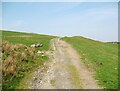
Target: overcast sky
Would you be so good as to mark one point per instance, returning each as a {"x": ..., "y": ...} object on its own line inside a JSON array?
[{"x": 97, "y": 21}]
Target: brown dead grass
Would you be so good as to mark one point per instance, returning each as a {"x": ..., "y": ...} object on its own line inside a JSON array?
[{"x": 13, "y": 56}]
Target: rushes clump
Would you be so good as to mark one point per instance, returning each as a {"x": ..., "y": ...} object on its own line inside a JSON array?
[{"x": 14, "y": 60}]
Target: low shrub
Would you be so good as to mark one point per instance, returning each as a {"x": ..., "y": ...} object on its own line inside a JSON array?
[{"x": 14, "y": 60}]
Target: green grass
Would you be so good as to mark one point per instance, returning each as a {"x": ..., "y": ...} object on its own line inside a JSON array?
[
  {"x": 31, "y": 39},
  {"x": 75, "y": 76},
  {"x": 20, "y": 80},
  {"x": 100, "y": 57},
  {"x": 24, "y": 83},
  {"x": 97, "y": 56},
  {"x": 52, "y": 82},
  {"x": 29, "y": 67}
]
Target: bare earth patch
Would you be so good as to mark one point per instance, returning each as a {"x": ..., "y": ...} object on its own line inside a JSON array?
[{"x": 64, "y": 71}]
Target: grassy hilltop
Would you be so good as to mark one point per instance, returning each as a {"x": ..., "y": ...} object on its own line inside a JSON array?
[{"x": 99, "y": 57}]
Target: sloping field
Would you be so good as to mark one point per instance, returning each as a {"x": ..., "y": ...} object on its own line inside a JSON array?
[
  {"x": 27, "y": 38},
  {"x": 19, "y": 59},
  {"x": 99, "y": 57}
]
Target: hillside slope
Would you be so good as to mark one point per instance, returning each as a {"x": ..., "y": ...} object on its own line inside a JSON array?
[
  {"x": 27, "y": 38},
  {"x": 102, "y": 58},
  {"x": 19, "y": 59}
]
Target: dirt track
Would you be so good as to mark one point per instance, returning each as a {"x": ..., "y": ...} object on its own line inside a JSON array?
[{"x": 64, "y": 71}]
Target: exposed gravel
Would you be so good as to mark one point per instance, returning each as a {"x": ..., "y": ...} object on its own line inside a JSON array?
[{"x": 56, "y": 73}]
